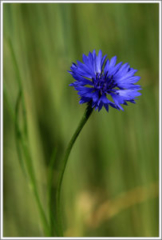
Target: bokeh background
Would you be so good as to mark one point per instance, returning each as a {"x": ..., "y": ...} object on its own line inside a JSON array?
[{"x": 110, "y": 187}]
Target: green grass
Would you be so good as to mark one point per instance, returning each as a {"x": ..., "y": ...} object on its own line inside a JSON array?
[{"x": 116, "y": 153}]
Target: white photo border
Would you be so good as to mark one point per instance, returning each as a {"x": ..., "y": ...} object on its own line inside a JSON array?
[{"x": 1, "y": 111}]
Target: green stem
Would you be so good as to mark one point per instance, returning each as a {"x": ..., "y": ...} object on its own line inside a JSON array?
[
  {"x": 51, "y": 205},
  {"x": 22, "y": 143},
  {"x": 19, "y": 81},
  {"x": 34, "y": 186},
  {"x": 84, "y": 119}
]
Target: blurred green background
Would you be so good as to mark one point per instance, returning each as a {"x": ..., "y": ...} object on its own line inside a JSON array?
[{"x": 110, "y": 187}]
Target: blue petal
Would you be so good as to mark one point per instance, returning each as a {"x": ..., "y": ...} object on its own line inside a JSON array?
[
  {"x": 82, "y": 73},
  {"x": 118, "y": 100},
  {"x": 84, "y": 100},
  {"x": 85, "y": 69},
  {"x": 104, "y": 99},
  {"x": 113, "y": 61},
  {"x": 98, "y": 62},
  {"x": 128, "y": 74},
  {"x": 106, "y": 107},
  {"x": 122, "y": 71},
  {"x": 134, "y": 79},
  {"x": 88, "y": 63},
  {"x": 83, "y": 90},
  {"x": 95, "y": 96},
  {"x": 100, "y": 106},
  {"x": 109, "y": 66},
  {"x": 103, "y": 60},
  {"x": 78, "y": 77},
  {"x": 128, "y": 94},
  {"x": 114, "y": 69},
  {"x": 106, "y": 68},
  {"x": 81, "y": 83},
  {"x": 94, "y": 60}
]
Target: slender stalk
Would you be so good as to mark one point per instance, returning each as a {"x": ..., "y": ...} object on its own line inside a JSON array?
[
  {"x": 22, "y": 143},
  {"x": 51, "y": 205},
  {"x": 84, "y": 119},
  {"x": 19, "y": 81},
  {"x": 34, "y": 186}
]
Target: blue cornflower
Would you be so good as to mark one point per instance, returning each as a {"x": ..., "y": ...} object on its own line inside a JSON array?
[{"x": 101, "y": 82}]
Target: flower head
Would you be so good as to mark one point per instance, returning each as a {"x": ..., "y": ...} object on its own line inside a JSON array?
[{"x": 102, "y": 82}]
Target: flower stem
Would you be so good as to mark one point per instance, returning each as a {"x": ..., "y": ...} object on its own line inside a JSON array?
[{"x": 84, "y": 119}]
